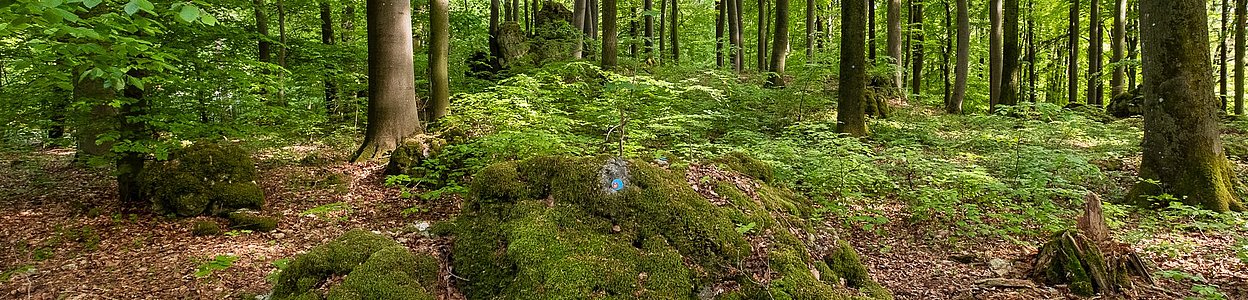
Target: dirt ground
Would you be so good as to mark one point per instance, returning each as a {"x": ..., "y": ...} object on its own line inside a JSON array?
[{"x": 63, "y": 237}]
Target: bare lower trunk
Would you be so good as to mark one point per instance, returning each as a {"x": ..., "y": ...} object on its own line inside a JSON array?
[
  {"x": 850, "y": 109},
  {"x": 780, "y": 49},
  {"x": 393, "y": 113},
  {"x": 608, "y": 33},
  {"x": 1009, "y": 59},
  {"x": 994, "y": 53},
  {"x": 963, "y": 60},
  {"x": 439, "y": 51}
]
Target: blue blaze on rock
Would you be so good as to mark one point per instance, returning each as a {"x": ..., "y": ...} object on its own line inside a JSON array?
[{"x": 614, "y": 175}]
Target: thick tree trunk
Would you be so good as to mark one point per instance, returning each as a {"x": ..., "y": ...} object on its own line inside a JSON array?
[
  {"x": 721, "y": 13},
  {"x": 675, "y": 32},
  {"x": 439, "y": 51},
  {"x": 995, "y": 54},
  {"x": 262, "y": 28},
  {"x": 1181, "y": 146},
  {"x": 1241, "y": 7},
  {"x": 393, "y": 113},
  {"x": 1072, "y": 69},
  {"x": 1094, "y": 54},
  {"x": 964, "y": 59},
  {"x": 1010, "y": 55},
  {"x": 894, "y": 40},
  {"x": 1117, "y": 82},
  {"x": 780, "y": 48},
  {"x": 608, "y": 33},
  {"x": 850, "y": 110},
  {"x": 916, "y": 71},
  {"x": 762, "y": 36}
]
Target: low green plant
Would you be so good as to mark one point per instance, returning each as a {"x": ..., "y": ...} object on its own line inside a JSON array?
[
  {"x": 218, "y": 263},
  {"x": 328, "y": 211}
]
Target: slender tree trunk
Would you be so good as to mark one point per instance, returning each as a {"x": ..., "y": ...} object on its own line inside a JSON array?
[
  {"x": 663, "y": 17},
  {"x": 1222, "y": 52},
  {"x": 100, "y": 120},
  {"x": 439, "y": 51},
  {"x": 281, "y": 33},
  {"x": 739, "y": 37},
  {"x": 995, "y": 54},
  {"x": 133, "y": 129},
  {"x": 762, "y": 36},
  {"x": 1031, "y": 51},
  {"x": 964, "y": 59},
  {"x": 811, "y": 24},
  {"x": 1119, "y": 45},
  {"x": 262, "y": 28},
  {"x": 916, "y": 72},
  {"x": 851, "y": 109},
  {"x": 1010, "y": 55},
  {"x": 1072, "y": 70},
  {"x": 894, "y": 41},
  {"x": 632, "y": 31},
  {"x": 1241, "y": 6},
  {"x": 579, "y": 19},
  {"x": 327, "y": 38},
  {"x": 648, "y": 6},
  {"x": 1132, "y": 49},
  {"x": 721, "y": 13},
  {"x": 945, "y": 68},
  {"x": 780, "y": 48},
  {"x": 496, "y": 50},
  {"x": 1181, "y": 146},
  {"x": 870, "y": 30},
  {"x": 348, "y": 22},
  {"x": 393, "y": 112},
  {"x": 608, "y": 33},
  {"x": 734, "y": 30},
  {"x": 675, "y": 32},
  {"x": 591, "y": 18},
  {"x": 1094, "y": 54}
]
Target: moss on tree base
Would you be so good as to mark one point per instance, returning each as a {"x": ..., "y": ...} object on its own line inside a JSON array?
[
  {"x": 546, "y": 228},
  {"x": 1086, "y": 266}
]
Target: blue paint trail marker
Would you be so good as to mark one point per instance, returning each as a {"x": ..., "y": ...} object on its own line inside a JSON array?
[{"x": 617, "y": 184}]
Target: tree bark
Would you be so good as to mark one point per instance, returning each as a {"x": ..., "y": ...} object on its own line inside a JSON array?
[
  {"x": 608, "y": 33},
  {"x": 99, "y": 121},
  {"x": 1031, "y": 51},
  {"x": 964, "y": 59},
  {"x": 1181, "y": 146},
  {"x": 134, "y": 129},
  {"x": 439, "y": 51},
  {"x": 1223, "y": 52},
  {"x": 632, "y": 31},
  {"x": 675, "y": 32},
  {"x": 995, "y": 54},
  {"x": 1117, "y": 82},
  {"x": 496, "y": 50},
  {"x": 811, "y": 24},
  {"x": 663, "y": 16},
  {"x": 916, "y": 71},
  {"x": 894, "y": 41},
  {"x": 734, "y": 31},
  {"x": 262, "y": 28},
  {"x": 1241, "y": 6},
  {"x": 945, "y": 68},
  {"x": 281, "y": 34},
  {"x": 648, "y": 6},
  {"x": 327, "y": 38},
  {"x": 870, "y": 30},
  {"x": 393, "y": 113},
  {"x": 1010, "y": 55},
  {"x": 739, "y": 37},
  {"x": 721, "y": 13},
  {"x": 1072, "y": 70},
  {"x": 762, "y": 36},
  {"x": 850, "y": 110},
  {"x": 780, "y": 48},
  {"x": 1094, "y": 54}
]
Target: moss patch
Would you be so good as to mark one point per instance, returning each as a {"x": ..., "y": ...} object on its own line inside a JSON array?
[
  {"x": 251, "y": 221},
  {"x": 373, "y": 266},
  {"x": 205, "y": 228},
  {"x": 546, "y": 228},
  {"x": 203, "y": 179}
]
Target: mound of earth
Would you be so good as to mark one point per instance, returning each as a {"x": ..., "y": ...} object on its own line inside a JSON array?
[{"x": 597, "y": 227}]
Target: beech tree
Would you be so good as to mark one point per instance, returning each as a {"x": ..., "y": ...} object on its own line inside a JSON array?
[
  {"x": 1241, "y": 7},
  {"x": 1072, "y": 69},
  {"x": 609, "y": 33},
  {"x": 1010, "y": 53},
  {"x": 1183, "y": 154},
  {"x": 850, "y": 109},
  {"x": 393, "y": 113},
  {"x": 439, "y": 51},
  {"x": 994, "y": 53},
  {"x": 963, "y": 60},
  {"x": 1118, "y": 82},
  {"x": 780, "y": 49}
]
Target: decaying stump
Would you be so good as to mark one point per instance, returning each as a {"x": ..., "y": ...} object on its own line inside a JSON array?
[{"x": 1087, "y": 259}]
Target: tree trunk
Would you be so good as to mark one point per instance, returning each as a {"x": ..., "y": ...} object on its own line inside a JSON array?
[
  {"x": 648, "y": 6},
  {"x": 632, "y": 31},
  {"x": 739, "y": 37},
  {"x": 1094, "y": 54},
  {"x": 916, "y": 71},
  {"x": 894, "y": 40},
  {"x": 348, "y": 22},
  {"x": 1010, "y": 55},
  {"x": 780, "y": 48},
  {"x": 1119, "y": 45},
  {"x": 608, "y": 33},
  {"x": 99, "y": 121},
  {"x": 945, "y": 68},
  {"x": 439, "y": 51},
  {"x": 663, "y": 16},
  {"x": 870, "y": 30},
  {"x": 850, "y": 110},
  {"x": 811, "y": 24},
  {"x": 393, "y": 113},
  {"x": 496, "y": 50},
  {"x": 1072, "y": 70},
  {"x": 995, "y": 54},
  {"x": 721, "y": 13},
  {"x": 1181, "y": 146},
  {"x": 133, "y": 129},
  {"x": 762, "y": 36},
  {"x": 1133, "y": 50},
  {"x": 1222, "y": 52},
  {"x": 734, "y": 30},
  {"x": 964, "y": 59},
  {"x": 281, "y": 34},
  {"x": 579, "y": 18},
  {"x": 675, "y": 32},
  {"x": 327, "y": 38},
  {"x": 1031, "y": 51},
  {"x": 1241, "y": 6},
  {"x": 262, "y": 28}
]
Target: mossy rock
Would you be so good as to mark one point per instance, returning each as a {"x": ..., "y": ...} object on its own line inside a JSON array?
[
  {"x": 748, "y": 166},
  {"x": 409, "y": 157},
  {"x": 205, "y": 228},
  {"x": 1127, "y": 104},
  {"x": 203, "y": 179},
  {"x": 547, "y": 228},
  {"x": 373, "y": 266},
  {"x": 251, "y": 221}
]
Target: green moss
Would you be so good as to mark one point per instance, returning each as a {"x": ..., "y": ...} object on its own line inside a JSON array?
[
  {"x": 217, "y": 162},
  {"x": 545, "y": 228},
  {"x": 205, "y": 228},
  {"x": 232, "y": 196},
  {"x": 374, "y": 266},
  {"x": 203, "y": 179},
  {"x": 748, "y": 166},
  {"x": 251, "y": 221}
]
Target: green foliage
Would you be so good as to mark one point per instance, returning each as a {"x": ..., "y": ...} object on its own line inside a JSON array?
[{"x": 218, "y": 263}]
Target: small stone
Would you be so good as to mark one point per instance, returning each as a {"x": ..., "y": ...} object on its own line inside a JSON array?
[
  {"x": 1000, "y": 266},
  {"x": 279, "y": 235}
]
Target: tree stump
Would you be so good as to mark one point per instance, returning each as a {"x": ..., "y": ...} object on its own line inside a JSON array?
[{"x": 1087, "y": 259}]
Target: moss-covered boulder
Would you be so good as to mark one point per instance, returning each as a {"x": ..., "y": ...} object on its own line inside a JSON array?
[
  {"x": 370, "y": 266},
  {"x": 1127, "y": 104},
  {"x": 203, "y": 179},
  {"x": 409, "y": 158},
  {"x": 553, "y": 228},
  {"x": 245, "y": 220}
]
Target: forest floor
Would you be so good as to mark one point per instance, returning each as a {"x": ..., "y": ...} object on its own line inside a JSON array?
[{"x": 63, "y": 237}]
